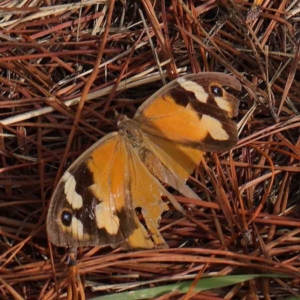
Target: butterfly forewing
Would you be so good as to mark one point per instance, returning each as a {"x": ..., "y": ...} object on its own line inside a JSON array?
[
  {"x": 194, "y": 111},
  {"x": 91, "y": 204}
]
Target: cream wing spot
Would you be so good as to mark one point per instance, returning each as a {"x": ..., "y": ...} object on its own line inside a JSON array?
[
  {"x": 214, "y": 127},
  {"x": 195, "y": 88},
  {"x": 73, "y": 198},
  {"x": 106, "y": 218},
  {"x": 223, "y": 104},
  {"x": 77, "y": 230}
]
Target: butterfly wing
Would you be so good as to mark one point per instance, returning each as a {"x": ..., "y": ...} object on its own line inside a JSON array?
[
  {"x": 189, "y": 116},
  {"x": 92, "y": 198},
  {"x": 146, "y": 193},
  {"x": 98, "y": 197}
]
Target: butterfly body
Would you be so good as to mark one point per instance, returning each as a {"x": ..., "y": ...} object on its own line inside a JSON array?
[
  {"x": 112, "y": 194},
  {"x": 130, "y": 131}
]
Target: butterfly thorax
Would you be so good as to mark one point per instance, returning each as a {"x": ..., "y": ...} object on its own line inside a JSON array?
[{"x": 130, "y": 130}]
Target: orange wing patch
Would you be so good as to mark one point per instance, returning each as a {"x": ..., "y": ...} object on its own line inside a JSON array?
[
  {"x": 164, "y": 118},
  {"x": 110, "y": 183},
  {"x": 146, "y": 192},
  {"x": 171, "y": 162}
]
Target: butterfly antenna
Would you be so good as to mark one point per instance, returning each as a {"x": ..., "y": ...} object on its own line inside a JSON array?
[
  {"x": 116, "y": 113},
  {"x": 117, "y": 118}
]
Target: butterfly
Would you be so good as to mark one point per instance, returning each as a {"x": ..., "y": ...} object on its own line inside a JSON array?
[{"x": 112, "y": 193}]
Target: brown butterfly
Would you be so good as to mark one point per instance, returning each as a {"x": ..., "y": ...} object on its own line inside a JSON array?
[{"x": 112, "y": 193}]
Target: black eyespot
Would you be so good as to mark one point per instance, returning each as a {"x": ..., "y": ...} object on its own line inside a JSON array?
[
  {"x": 66, "y": 218},
  {"x": 216, "y": 90}
]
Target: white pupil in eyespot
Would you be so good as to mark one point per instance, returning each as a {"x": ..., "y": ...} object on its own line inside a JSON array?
[{"x": 66, "y": 218}]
